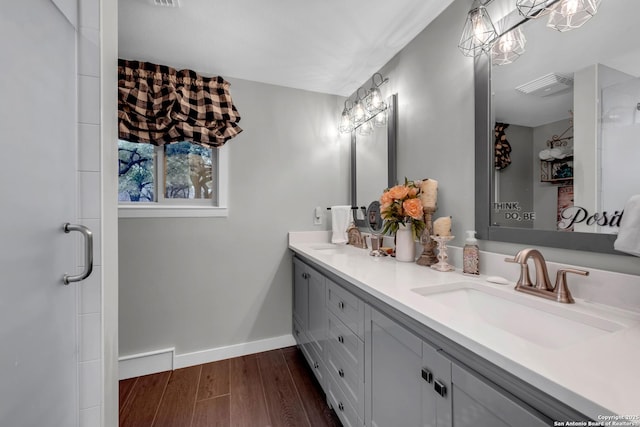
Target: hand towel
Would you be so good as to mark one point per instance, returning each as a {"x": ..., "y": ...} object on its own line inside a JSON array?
[
  {"x": 545, "y": 155},
  {"x": 629, "y": 234},
  {"x": 340, "y": 220}
]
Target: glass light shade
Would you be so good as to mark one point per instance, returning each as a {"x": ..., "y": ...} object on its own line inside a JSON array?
[
  {"x": 346, "y": 126},
  {"x": 570, "y": 14},
  {"x": 380, "y": 119},
  {"x": 508, "y": 47},
  {"x": 533, "y": 8},
  {"x": 374, "y": 101},
  {"x": 366, "y": 128},
  {"x": 358, "y": 115},
  {"x": 478, "y": 33}
]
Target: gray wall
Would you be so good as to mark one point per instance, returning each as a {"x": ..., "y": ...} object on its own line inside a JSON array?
[
  {"x": 517, "y": 179},
  {"x": 434, "y": 82},
  {"x": 202, "y": 283},
  {"x": 198, "y": 284}
]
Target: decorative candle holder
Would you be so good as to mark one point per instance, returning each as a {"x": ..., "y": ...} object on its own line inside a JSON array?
[
  {"x": 428, "y": 256},
  {"x": 442, "y": 264}
]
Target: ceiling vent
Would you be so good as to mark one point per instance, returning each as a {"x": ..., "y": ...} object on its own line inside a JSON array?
[
  {"x": 166, "y": 3},
  {"x": 546, "y": 85}
]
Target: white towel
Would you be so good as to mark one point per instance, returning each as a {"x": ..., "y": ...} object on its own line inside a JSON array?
[
  {"x": 545, "y": 155},
  {"x": 340, "y": 220},
  {"x": 629, "y": 234}
]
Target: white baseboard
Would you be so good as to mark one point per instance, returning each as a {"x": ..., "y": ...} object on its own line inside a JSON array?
[
  {"x": 221, "y": 353},
  {"x": 152, "y": 362},
  {"x": 140, "y": 364}
]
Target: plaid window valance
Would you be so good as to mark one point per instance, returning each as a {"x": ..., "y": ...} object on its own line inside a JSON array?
[{"x": 159, "y": 105}]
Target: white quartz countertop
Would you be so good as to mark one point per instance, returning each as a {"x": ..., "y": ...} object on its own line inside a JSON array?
[{"x": 598, "y": 376}]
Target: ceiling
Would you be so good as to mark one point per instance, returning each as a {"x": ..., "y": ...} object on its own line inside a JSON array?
[{"x": 329, "y": 46}]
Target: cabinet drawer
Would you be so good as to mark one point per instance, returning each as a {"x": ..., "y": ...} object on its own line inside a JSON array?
[
  {"x": 347, "y": 307},
  {"x": 350, "y": 379},
  {"x": 345, "y": 343},
  {"x": 341, "y": 405}
]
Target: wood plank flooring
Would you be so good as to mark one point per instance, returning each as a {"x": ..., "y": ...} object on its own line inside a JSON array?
[{"x": 275, "y": 388}]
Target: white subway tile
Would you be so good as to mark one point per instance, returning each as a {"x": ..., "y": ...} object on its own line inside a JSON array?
[
  {"x": 90, "y": 417},
  {"x": 90, "y": 13},
  {"x": 89, "y": 52},
  {"x": 89, "y": 147},
  {"x": 89, "y": 100},
  {"x": 90, "y": 384},
  {"x": 90, "y": 336},
  {"x": 89, "y": 183},
  {"x": 91, "y": 292}
]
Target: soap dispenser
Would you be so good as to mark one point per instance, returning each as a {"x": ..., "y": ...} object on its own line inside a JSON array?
[{"x": 471, "y": 255}]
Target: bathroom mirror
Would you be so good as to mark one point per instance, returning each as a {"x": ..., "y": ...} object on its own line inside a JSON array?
[
  {"x": 373, "y": 166},
  {"x": 587, "y": 109}
]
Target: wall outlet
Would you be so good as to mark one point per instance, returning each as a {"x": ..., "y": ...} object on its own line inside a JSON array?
[{"x": 317, "y": 216}]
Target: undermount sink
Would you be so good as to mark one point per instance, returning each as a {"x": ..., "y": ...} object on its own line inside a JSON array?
[
  {"x": 328, "y": 248},
  {"x": 545, "y": 323}
]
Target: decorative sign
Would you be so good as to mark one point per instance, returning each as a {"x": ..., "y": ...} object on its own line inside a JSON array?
[
  {"x": 512, "y": 211},
  {"x": 578, "y": 215}
]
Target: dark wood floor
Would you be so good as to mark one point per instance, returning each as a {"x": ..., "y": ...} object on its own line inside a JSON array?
[{"x": 274, "y": 388}]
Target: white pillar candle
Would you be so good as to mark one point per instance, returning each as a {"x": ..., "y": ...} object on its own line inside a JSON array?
[
  {"x": 442, "y": 226},
  {"x": 429, "y": 193}
]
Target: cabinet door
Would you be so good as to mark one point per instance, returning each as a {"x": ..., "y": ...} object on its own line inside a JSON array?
[
  {"x": 317, "y": 312},
  {"x": 479, "y": 404},
  {"x": 437, "y": 393},
  {"x": 396, "y": 382},
  {"x": 300, "y": 294}
]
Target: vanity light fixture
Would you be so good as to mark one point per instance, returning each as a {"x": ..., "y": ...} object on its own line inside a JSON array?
[
  {"x": 346, "y": 125},
  {"x": 567, "y": 15},
  {"x": 479, "y": 32},
  {"x": 375, "y": 102},
  {"x": 508, "y": 47},
  {"x": 368, "y": 109},
  {"x": 380, "y": 119},
  {"x": 534, "y": 8},
  {"x": 366, "y": 129}
]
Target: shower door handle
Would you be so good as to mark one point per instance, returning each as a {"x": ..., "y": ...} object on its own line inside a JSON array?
[{"x": 88, "y": 253}]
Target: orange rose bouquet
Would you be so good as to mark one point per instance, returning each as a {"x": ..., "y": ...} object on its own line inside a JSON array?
[{"x": 401, "y": 206}]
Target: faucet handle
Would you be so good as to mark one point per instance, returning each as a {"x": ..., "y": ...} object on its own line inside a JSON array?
[
  {"x": 524, "y": 279},
  {"x": 561, "y": 289}
]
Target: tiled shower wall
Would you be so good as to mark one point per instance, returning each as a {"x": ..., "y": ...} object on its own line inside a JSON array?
[{"x": 90, "y": 291}]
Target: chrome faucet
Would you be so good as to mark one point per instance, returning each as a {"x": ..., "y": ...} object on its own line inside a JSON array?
[{"x": 542, "y": 287}]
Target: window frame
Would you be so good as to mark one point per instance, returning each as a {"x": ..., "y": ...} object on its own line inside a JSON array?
[{"x": 183, "y": 208}]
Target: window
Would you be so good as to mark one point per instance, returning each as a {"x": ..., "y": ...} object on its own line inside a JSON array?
[{"x": 179, "y": 179}]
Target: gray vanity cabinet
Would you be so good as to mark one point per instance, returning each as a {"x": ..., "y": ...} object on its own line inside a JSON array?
[
  {"x": 410, "y": 380},
  {"x": 310, "y": 316},
  {"x": 477, "y": 403},
  {"x": 379, "y": 369}
]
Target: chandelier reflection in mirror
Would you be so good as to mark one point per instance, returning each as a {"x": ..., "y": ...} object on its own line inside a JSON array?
[
  {"x": 368, "y": 110},
  {"x": 563, "y": 15}
]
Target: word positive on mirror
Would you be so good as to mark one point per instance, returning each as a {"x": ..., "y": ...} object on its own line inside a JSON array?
[{"x": 577, "y": 215}]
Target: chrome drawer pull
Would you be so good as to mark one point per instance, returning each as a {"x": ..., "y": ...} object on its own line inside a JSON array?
[
  {"x": 341, "y": 339},
  {"x": 341, "y": 373},
  {"x": 341, "y": 305},
  {"x": 341, "y": 406}
]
